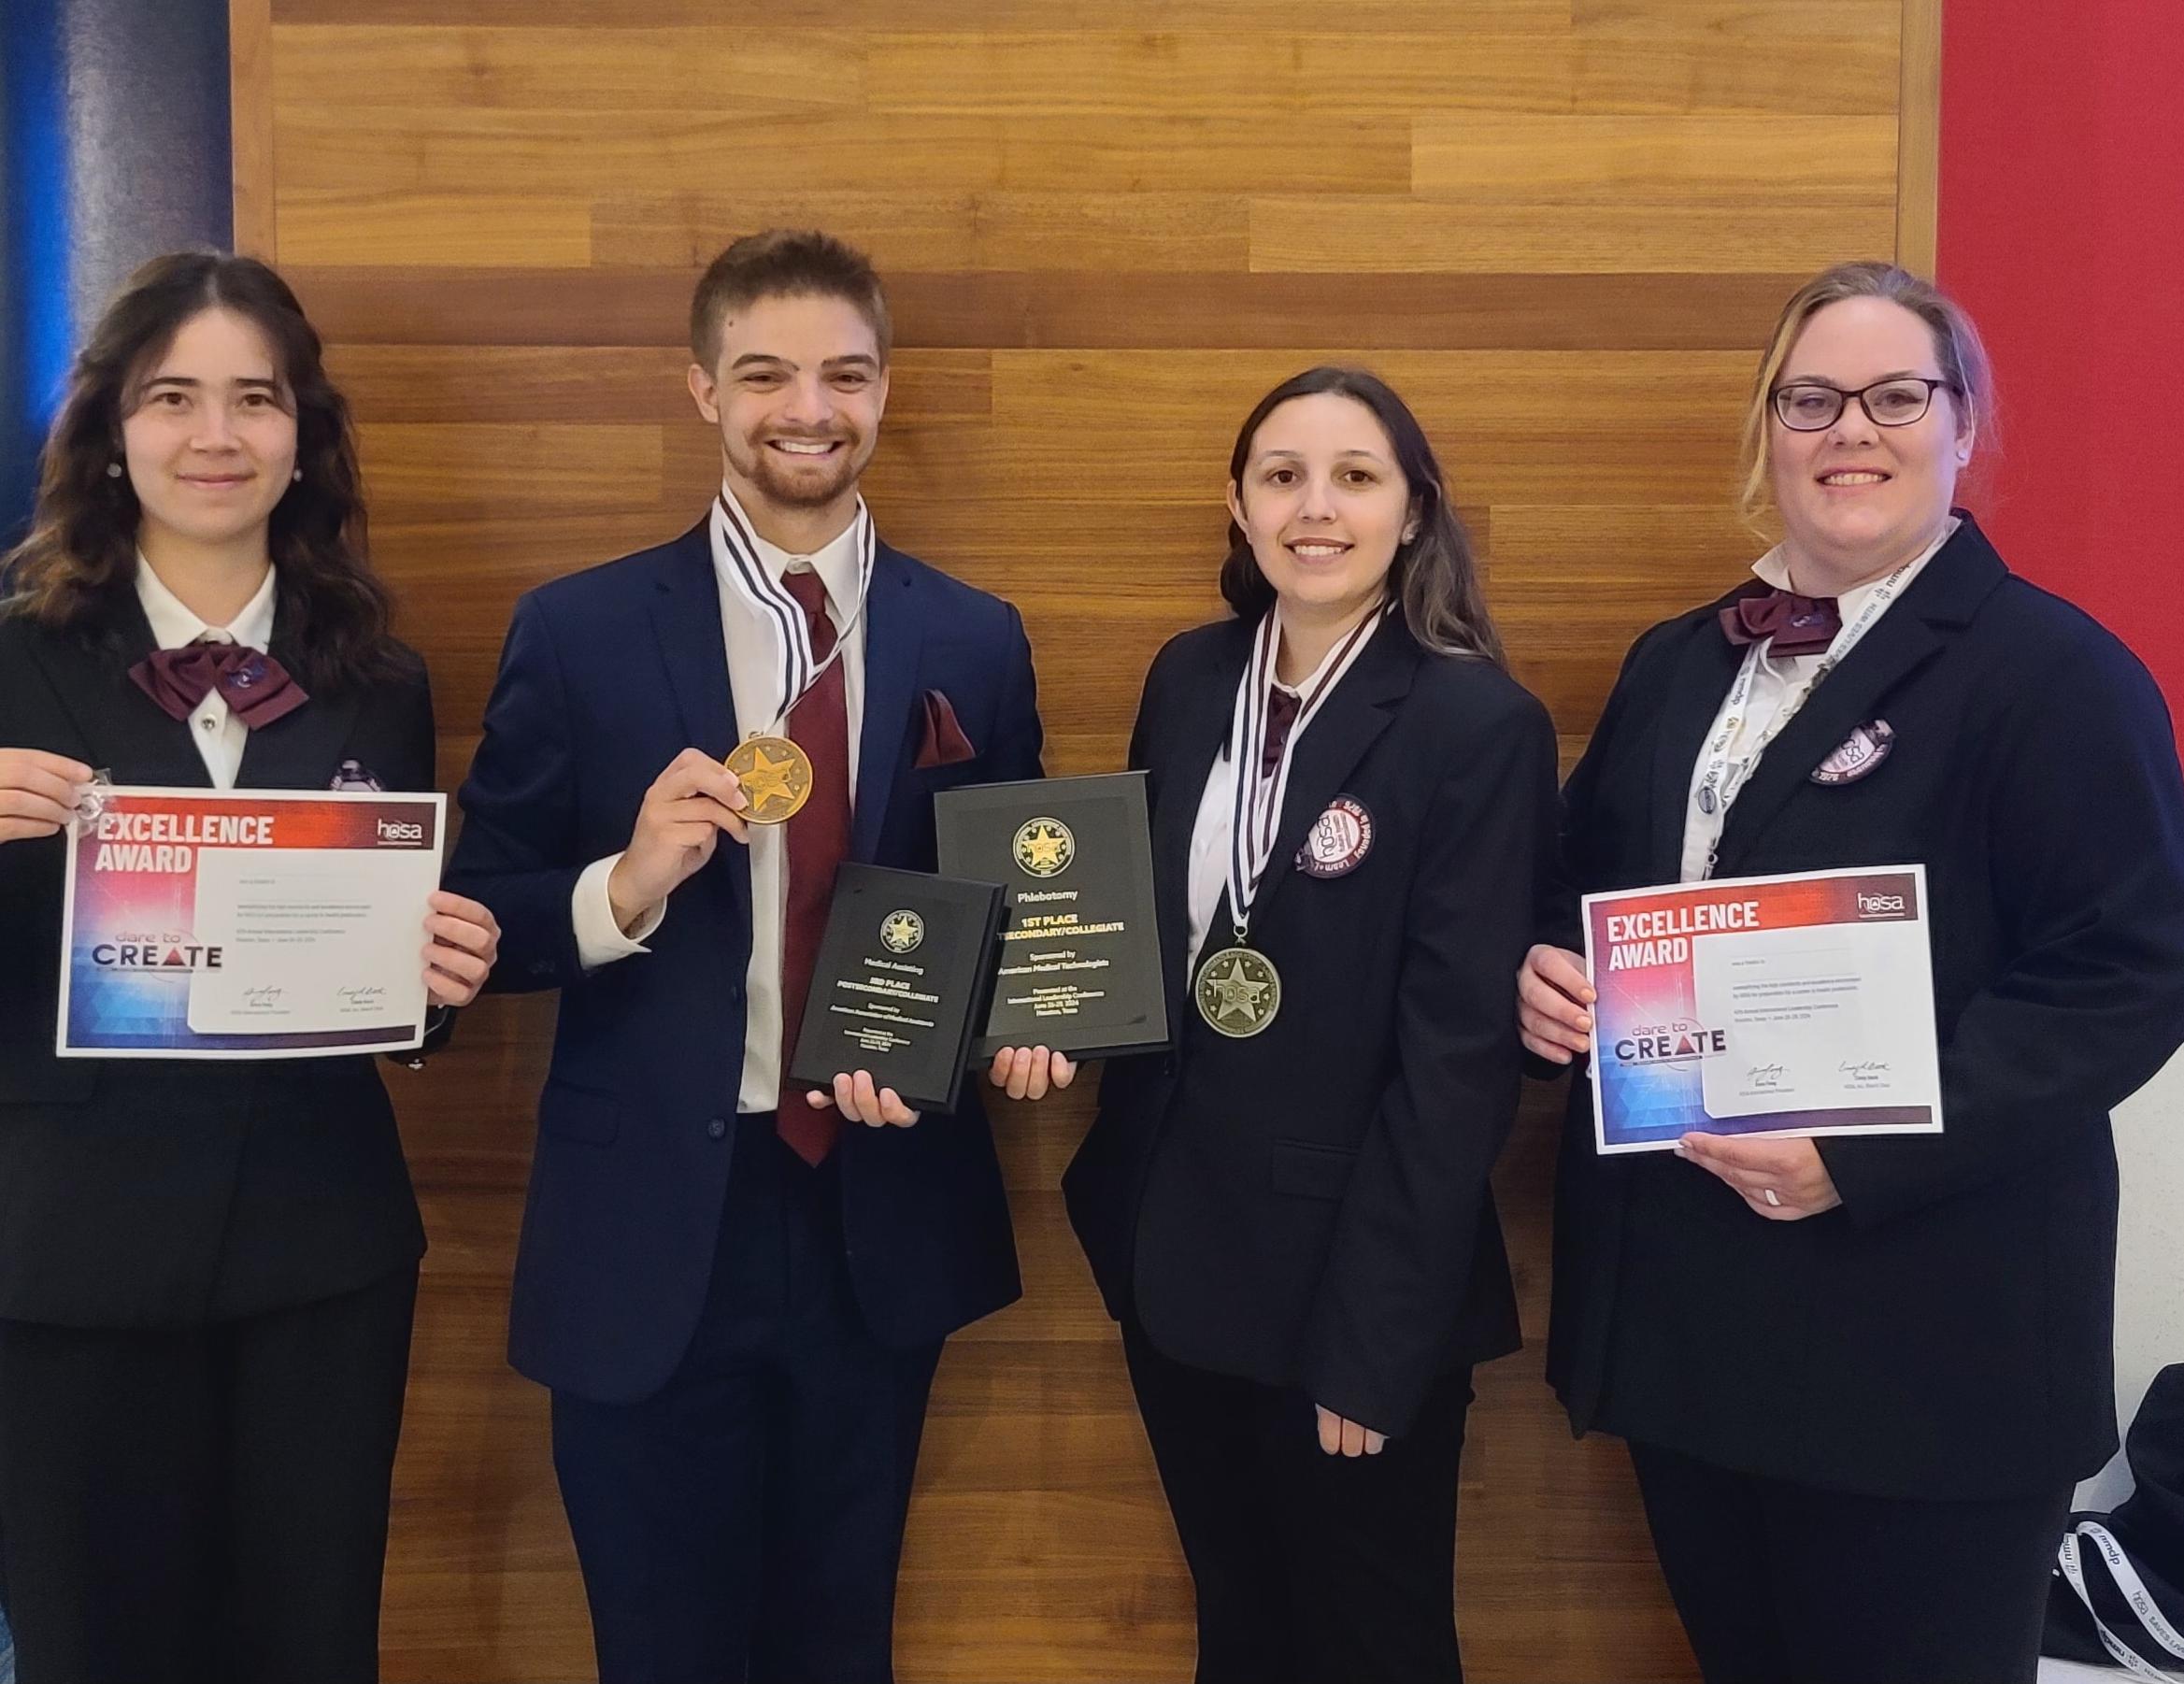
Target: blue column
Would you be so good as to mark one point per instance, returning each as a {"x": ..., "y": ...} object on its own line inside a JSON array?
[{"x": 114, "y": 147}]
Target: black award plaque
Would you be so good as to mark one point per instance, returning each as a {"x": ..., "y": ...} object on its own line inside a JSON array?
[
  {"x": 899, "y": 986},
  {"x": 1080, "y": 955}
]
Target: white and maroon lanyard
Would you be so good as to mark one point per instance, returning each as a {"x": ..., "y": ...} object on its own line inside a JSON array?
[{"x": 1260, "y": 793}]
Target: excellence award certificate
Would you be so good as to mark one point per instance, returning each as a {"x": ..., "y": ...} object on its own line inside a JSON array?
[
  {"x": 256, "y": 924},
  {"x": 1763, "y": 1005}
]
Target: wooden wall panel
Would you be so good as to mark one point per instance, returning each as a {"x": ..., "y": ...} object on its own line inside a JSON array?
[{"x": 1560, "y": 226}]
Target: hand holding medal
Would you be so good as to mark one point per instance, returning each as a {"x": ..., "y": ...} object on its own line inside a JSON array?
[{"x": 685, "y": 813}]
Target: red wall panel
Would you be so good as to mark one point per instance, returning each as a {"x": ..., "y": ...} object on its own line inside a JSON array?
[{"x": 2062, "y": 231}]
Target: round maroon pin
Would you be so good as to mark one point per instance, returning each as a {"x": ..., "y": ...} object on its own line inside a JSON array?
[
  {"x": 1339, "y": 841},
  {"x": 1858, "y": 755}
]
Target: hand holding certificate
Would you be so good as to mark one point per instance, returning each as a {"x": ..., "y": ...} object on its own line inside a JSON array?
[
  {"x": 1787, "y": 1005},
  {"x": 258, "y": 924}
]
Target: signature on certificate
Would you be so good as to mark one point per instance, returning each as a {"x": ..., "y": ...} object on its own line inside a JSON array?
[
  {"x": 363, "y": 995},
  {"x": 1764, "y": 1075},
  {"x": 265, "y": 997}
]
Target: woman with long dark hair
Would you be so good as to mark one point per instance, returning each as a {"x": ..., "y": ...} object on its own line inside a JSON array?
[
  {"x": 206, "y": 1269},
  {"x": 1290, "y": 1216}
]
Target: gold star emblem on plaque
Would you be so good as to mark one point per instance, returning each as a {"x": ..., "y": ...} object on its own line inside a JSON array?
[
  {"x": 776, "y": 776},
  {"x": 901, "y": 930},
  {"x": 1238, "y": 992},
  {"x": 1044, "y": 846}
]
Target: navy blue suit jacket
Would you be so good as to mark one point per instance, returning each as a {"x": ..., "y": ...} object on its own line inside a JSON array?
[{"x": 605, "y": 676}]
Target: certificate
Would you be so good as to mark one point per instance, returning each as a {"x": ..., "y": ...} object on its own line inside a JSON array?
[
  {"x": 256, "y": 924},
  {"x": 1793, "y": 1005}
]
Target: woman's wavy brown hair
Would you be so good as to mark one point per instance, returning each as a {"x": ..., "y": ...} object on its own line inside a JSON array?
[
  {"x": 1434, "y": 575},
  {"x": 77, "y": 568}
]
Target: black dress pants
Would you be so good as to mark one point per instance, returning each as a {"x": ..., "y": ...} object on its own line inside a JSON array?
[
  {"x": 1310, "y": 1568},
  {"x": 1779, "y": 1583},
  {"x": 745, "y": 1522},
  {"x": 204, "y": 1506}
]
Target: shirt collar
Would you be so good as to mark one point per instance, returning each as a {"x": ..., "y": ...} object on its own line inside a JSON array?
[
  {"x": 1773, "y": 569},
  {"x": 174, "y": 626},
  {"x": 838, "y": 563},
  {"x": 1310, "y": 682}
]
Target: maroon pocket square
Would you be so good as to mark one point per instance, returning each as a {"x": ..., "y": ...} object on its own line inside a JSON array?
[{"x": 943, "y": 743}]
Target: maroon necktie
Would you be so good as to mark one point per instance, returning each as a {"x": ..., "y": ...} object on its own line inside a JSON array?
[
  {"x": 818, "y": 841},
  {"x": 1281, "y": 715},
  {"x": 1800, "y": 625},
  {"x": 255, "y": 686}
]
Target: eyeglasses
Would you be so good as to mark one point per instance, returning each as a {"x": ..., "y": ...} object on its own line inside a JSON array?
[{"x": 1897, "y": 403}]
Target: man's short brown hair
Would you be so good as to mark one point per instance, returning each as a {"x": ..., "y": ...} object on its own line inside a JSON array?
[{"x": 784, "y": 262}]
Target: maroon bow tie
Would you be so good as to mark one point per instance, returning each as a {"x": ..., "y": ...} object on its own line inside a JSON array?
[
  {"x": 1800, "y": 625},
  {"x": 256, "y": 686}
]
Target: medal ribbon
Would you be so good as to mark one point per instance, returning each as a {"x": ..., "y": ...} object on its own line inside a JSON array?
[
  {"x": 770, "y": 598},
  {"x": 1260, "y": 793},
  {"x": 1722, "y": 782}
]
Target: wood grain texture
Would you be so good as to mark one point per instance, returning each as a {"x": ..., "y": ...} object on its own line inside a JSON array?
[
  {"x": 1918, "y": 144},
  {"x": 250, "y": 52},
  {"x": 1561, "y": 227}
]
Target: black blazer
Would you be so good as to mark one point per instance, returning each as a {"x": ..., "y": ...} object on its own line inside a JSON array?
[
  {"x": 1311, "y": 1207},
  {"x": 153, "y": 1192},
  {"x": 1946, "y": 1332}
]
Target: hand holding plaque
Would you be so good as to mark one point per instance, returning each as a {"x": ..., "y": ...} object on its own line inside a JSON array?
[{"x": 899, "y": 986}]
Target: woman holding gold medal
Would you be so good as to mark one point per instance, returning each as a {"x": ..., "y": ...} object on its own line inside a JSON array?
[{"x": 1290, "y": 1215}]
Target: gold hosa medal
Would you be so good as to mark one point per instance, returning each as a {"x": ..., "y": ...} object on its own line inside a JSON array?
[
  {"x": 1238, "y": 992},
  {"x": 776, "y": 776}
]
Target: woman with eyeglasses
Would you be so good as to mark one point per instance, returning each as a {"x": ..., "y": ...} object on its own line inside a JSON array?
[{"x": 1860, "y": 1377}]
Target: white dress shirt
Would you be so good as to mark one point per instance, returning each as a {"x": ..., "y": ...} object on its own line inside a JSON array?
[
  {"x": 754, "y": 680},
  {"x": 1779, "y": 687},
  {"x": 220, "y": 736},
  {"x": 1216, "y": 823}
]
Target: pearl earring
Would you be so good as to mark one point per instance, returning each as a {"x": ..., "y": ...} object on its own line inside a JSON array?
[
  {"x": 297, "y": 476},
  {"x": 113, "y": 470}
]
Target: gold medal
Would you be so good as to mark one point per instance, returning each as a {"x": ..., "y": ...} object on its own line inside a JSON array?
[
  {"x": 1238, "y": 992},
  {"x": 776, "y": 776}
]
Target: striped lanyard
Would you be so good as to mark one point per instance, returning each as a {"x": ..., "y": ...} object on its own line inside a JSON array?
[
  {"x": 1260, "y": 791},
  {"x": 798, "y": 668}
]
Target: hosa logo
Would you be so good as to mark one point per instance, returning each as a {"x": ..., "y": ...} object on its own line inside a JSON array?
[
  {"x": 401, "y": 831},
  {"x": 1881, "y": 906}
]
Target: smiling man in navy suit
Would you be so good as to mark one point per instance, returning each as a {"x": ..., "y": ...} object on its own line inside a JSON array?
[{"x": 737, "y": 1291}]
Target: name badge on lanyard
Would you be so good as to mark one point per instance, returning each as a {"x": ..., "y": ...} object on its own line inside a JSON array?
[{"x": 1724, "y": 778}]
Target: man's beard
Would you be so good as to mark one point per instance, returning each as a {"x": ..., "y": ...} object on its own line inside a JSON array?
[{"x": 781, "y": 481}]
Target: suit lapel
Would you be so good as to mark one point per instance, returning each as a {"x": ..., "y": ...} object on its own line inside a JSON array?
[
  {"x": 895, "y": 635},
  {"x": 299, "y": 751},
  {"x": 1336, "y": 739},
  {"x": 686, "y": 620},
  {"x": 1701, "y": 680},
  {"x": 125, "y": 731},
  {"x": 1190, "y": 739},
  {"x": 1899, "y": 643},
  {"x": 1944, "y": 597}
]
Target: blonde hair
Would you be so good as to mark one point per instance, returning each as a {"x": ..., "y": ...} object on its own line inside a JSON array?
[{"x": 1957, "y": 350}]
